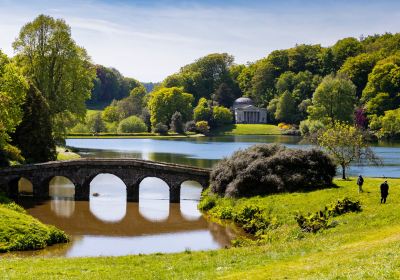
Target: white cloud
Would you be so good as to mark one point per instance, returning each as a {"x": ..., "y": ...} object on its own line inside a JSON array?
[{"x": 151, "y": 42}]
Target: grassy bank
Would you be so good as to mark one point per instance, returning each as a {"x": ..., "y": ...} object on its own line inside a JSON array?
[
  {"x": 248, "y": 129},
  {"x": 65, "y": 154},
  {"x": 20, "y": 231},
  {"x": 363, "y": 245},
  {"x": 148, "y": 135}
]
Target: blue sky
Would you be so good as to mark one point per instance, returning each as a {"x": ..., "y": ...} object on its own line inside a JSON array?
[{"x": 149, "y": 40}]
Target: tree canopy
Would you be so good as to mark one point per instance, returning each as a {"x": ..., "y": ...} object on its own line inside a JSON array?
[
  {"x": 13, "y": 87},
  {"x": 57, "y": 67},
  {"x": 164, "y": 102},
  {"x": 333, "y": 100}
]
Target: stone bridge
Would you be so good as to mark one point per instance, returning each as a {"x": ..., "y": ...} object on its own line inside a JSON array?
[{"x": 82, "y": 171}]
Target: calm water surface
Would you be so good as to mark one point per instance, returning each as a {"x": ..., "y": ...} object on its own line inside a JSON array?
[
  {"x": 109, "y": 226},
  {"x": 205, "y": 152}
]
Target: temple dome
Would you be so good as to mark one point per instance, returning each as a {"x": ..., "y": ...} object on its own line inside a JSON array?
[{"x": 242, "y": 102}]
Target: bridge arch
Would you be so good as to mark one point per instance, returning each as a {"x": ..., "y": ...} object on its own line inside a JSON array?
[
  {"x": 154, "y": 197},
  {"x": 60, "y": 187},
  {"x": 107, "y": 197},
  {"x": 190, "y": 197},
  {"x": 25, "y": 186}
]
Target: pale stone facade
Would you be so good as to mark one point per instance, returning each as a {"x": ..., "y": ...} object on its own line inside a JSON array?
[{"x": 246, "y": 112}]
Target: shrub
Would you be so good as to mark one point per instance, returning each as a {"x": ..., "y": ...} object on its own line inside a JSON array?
[
  {"x": 221, "y": 116},
  {"x": 161, "y": 128},
  {"x": 95, "y": 123},
  {"x": 320, "y": 220},
  {"x": 190, "y": 126},
  {"x": 271, "y": 168},
  {"x": 176, "y": 123},
  {"x": 202, "y": 127},
  {"x": 132, "y": 124},
  {"x": 309, "y": 127}
]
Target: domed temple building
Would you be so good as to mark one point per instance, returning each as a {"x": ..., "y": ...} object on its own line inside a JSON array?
[{"x": 246, "y": 112}]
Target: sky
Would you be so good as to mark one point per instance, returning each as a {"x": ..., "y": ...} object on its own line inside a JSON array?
[{"x": 149, "y": 40}]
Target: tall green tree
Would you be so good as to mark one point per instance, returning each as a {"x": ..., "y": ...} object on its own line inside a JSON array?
[
  {"x": 164, "y": 102},
  {"x": 204, "y": 76},
  {"x": 357, "y": 69},
  {"x": 13, "y": 87},
  {"x": 57, "y": 67},
  {"x": 346, "y": 48},
  {"x": 286, "y": 109},
  {"x": 333, "y": 100},
  {"x": 382, "y": 90},
  {"x": 33, "y": 135}
]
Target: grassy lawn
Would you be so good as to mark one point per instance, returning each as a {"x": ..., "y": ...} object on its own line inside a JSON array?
[
  {"x": 62, "y": 154},
  {"x": 248, "y": 129},
  {"x": 131, "y": 135},
  {"x": 363, "y": 245}
]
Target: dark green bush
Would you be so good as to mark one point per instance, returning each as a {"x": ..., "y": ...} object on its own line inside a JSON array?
[
  {"x": 190, "y": 126},
  {"x": 271, "y": 168},
  {"x": 320, "y": 220},
  {"x": 161, "y": 128}
]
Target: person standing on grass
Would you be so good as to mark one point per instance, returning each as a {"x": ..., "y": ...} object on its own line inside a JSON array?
[
  {"x": 384, "y": 191},
  {"x": 360, "y": 182}
]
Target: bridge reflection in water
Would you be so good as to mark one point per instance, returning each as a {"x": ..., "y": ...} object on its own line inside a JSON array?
[{"x": 108, "y": 225}]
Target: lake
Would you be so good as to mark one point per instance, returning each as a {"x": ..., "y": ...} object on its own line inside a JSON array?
[{"x": 109, "y": 226}]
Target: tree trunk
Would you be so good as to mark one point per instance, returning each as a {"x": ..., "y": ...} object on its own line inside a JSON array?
[{"x": 343, "y": 172}]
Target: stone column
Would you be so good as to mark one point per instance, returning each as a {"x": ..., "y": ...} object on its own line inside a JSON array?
[
  {"x": 82, "y": 191},
  {"x": 40, "y": 188},
  {"x": 174, "y": 193},
  {"x": 132, "y": 192}
]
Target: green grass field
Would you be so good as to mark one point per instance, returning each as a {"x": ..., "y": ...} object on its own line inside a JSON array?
[
  {"x": 363, "y": 245},
  {"x": 248, "y": 129},
  {"x": 62, "y": 154}
]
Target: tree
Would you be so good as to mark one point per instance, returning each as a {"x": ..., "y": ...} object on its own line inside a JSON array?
[
  {"x": 177, "y": 123},
  {"x": 286, "y": 108},
  {"x": 132, "y": 105},
  {"x": 202, "y": 112},
  {"x": 357, "y": 69},
  {"x": 164, "y": 102},
  {"x": 221, "y": 116},
  {"x": 387, "y": 125},
  {"x": 13, "y": 89},
  {"x": 132, "y": 124},
  {"x": 224, "y": 95},
  {"x": 33, "y": 135},
  {"x": 111, "y": 114},
  {"x": 95, "y": 123},
  {"x": 57, "y": 67},
  {"x": 346, "y": 48},
  {"x": 346, "y": 144},
  {"x": 204, "y": 76},
  {"x": 382, "y": 90},
  {"x": 333, "y": 100}
]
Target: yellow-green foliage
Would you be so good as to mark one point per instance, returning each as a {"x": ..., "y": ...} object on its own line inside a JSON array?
[{"x": 20, "y": 231}]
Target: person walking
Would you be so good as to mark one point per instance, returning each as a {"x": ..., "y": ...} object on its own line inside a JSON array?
[
  {"x": 384, "y": 191},
  {"x": 360, "y": 182}
]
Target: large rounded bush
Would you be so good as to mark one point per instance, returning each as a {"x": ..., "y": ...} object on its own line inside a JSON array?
[
  {"x": 132, "y": 124},
  {"x": 270, "y": 168}
]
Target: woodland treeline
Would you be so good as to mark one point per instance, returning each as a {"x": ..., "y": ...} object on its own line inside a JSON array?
[{"x": 47, "y": 86}]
